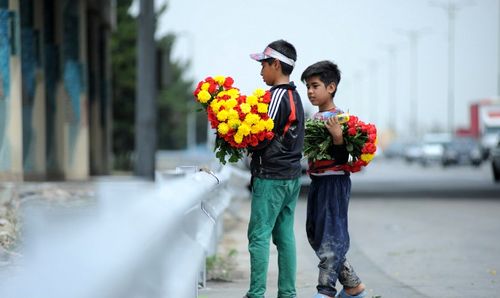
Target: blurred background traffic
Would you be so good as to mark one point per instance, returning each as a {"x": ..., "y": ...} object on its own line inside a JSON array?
[{"x": 105, "y": 88}]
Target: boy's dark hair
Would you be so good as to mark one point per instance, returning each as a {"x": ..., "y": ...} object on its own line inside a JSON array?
[
  {"x": 327, "y": 71},
  {"x": 287, "y": 49}
]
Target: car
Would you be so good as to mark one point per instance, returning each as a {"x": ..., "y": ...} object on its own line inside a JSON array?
[
  {"x": 395, "y": 150},
  {"x": 412, "y": 152},
  {"x": 462, "y": 150},
  {"x": 433, "y": 148},
  {"x": 495, "y": 162}
]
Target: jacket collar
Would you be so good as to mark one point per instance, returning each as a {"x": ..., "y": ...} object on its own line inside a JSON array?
[{"x": 290, "y": 85}]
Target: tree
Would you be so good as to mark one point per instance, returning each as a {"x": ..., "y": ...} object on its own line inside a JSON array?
[
  {"x": 175, "y": 100},
  {"x": 123, "y": 63},
  {"x": 174, "y": 91}
]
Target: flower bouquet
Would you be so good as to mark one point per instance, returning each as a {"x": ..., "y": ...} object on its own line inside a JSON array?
[
  {"x": 240, "y": 121},
  {"x": 360, "y": 139}
]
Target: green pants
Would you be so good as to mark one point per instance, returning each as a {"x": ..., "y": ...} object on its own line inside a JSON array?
[{"x": 272, "y": 214}]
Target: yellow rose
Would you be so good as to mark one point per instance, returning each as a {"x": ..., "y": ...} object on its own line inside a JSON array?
[
  {"x": 245, "y": 108},
  {"x": 234, "y": 123},
  {"x": 252, "y": 118},
  {"x": 259, "y": 92},
  {"x": 238, "y": 138},
  {"x": 222, "y": 115},
  {"x": 233, "y": 114},
  {"x": 367, "y": 157},
  {"x": 257, "y": 128},
  {"x": 233, "y": 93},
  {"x": 261, "y": 125},
  {"x": 204, "y": 96},
  {"x": 223, "y": 128},
  {"x": 219, "y": 79},
  {"x": 205, "y": 86},
  {"x": 252, "y": 100},
  {"x": 262, "y": 108},
  {"x": 215, "y": 105},
  {"x": 269, "y": 124},
  {"x": 230, "y": 103},
  {"x": 244, "y": 129}
]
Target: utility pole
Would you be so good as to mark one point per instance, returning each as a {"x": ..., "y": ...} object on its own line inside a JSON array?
[
  {"x": 359, "y": 95},
  {"x": 451, "y": 9},
  {"x": 414, "y": 37},
  {"x": 191, "y": 110},
  {"x": 373, "y": 103},
  {"x": 391, "y": 51},
  {"x": 145, "y": 115}
]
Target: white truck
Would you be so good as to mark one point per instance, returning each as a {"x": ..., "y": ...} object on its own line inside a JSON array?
[
  {"x": 485, "y": 123},
  {"x": 489, "y": 126}
]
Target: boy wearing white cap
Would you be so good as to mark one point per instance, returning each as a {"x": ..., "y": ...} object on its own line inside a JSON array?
[{"x": 276, "y": 171}]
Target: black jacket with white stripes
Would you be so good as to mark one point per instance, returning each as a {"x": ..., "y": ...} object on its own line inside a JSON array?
[{"x": 280, "y": 157}]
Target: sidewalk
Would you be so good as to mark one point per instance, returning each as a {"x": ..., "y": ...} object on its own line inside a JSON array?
[{"x": 379, "y": 284}]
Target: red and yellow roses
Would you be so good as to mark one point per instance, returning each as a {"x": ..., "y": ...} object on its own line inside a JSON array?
[{"x": 240, "y": 121}]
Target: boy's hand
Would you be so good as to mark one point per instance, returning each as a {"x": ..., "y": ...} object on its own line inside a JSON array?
[{"x": 335, "y": 129}]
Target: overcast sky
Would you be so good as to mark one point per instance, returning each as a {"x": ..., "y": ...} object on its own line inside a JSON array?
[{"x": 218, "y": 35}]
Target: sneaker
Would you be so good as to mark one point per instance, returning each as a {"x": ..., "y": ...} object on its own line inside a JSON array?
[
  {"x": 343, "y": 294},
  {"x": 318, "y": 295}
]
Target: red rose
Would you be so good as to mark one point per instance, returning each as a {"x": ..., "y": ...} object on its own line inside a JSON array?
[
  {"x": 352, "y": 120},
  {"x": 267, "y": 97},
  {"x": 212, "y": 88},
  {"x": 228, "y": 82},
  {"x": 372, "y": 137},
  {"x": 372, "y": 129},
  {"x": 269, "y": 135},
  {"x": 352, "y": 131}
]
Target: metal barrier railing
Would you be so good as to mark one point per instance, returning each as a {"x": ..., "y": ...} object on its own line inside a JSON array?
[{"x": 141, "y": 239}]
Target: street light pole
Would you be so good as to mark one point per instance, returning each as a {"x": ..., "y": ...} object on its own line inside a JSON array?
[
  {"x": 451, "y": 8},
  {"x": 391, "y": 50},
  {"x": 191, "y": 113},
  {"x": 451, "y": 65},
  {"x": 373, "y": 92},
  {"x": 414, "y": 37},
  {"x": 145, "y": 136}
]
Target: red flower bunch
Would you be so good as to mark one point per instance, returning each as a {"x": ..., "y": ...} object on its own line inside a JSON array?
[
  {"x": 240, "y": 121},
  {"x": 360, "y": 139}
]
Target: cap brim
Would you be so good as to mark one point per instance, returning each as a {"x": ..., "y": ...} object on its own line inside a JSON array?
[{"x": 258, "y": 56}]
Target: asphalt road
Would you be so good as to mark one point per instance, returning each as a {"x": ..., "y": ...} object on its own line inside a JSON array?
[{"x": 415, "y": 232}]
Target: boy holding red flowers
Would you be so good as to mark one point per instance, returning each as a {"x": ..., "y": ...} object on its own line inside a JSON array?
[
  {"x": 329, "y": 191},
  {"x": 276, "y": 171}
]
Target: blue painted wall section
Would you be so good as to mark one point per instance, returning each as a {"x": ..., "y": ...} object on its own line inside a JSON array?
[{"x": 5, "y": 154}]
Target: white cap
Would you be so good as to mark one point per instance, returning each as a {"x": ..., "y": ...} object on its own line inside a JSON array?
[{"x": 272, "y": 53}]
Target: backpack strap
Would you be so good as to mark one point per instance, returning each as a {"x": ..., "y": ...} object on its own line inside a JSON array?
[{"x": 292, "y": 117}]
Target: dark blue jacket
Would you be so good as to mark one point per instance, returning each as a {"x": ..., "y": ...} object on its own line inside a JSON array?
[{"x": 280, "y": 157}]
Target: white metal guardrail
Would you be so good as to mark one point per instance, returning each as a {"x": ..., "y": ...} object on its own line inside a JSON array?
[{"x": 140, "y": 240}]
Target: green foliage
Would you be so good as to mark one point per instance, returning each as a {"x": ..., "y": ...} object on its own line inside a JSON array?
[
  {"x": 175, "y": 100},
  {"x": 221, "y": 267},
  {"x": 123, "y": 64},
  {"x": 223, "y": 150},
  {"x": 175, "y": 97},
  {"x": 317, "y": 140}
]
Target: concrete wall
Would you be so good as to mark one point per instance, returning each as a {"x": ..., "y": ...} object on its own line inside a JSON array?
[
  {"x": 11, "y": 149},
  {"x": 46, "y": 109}
]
